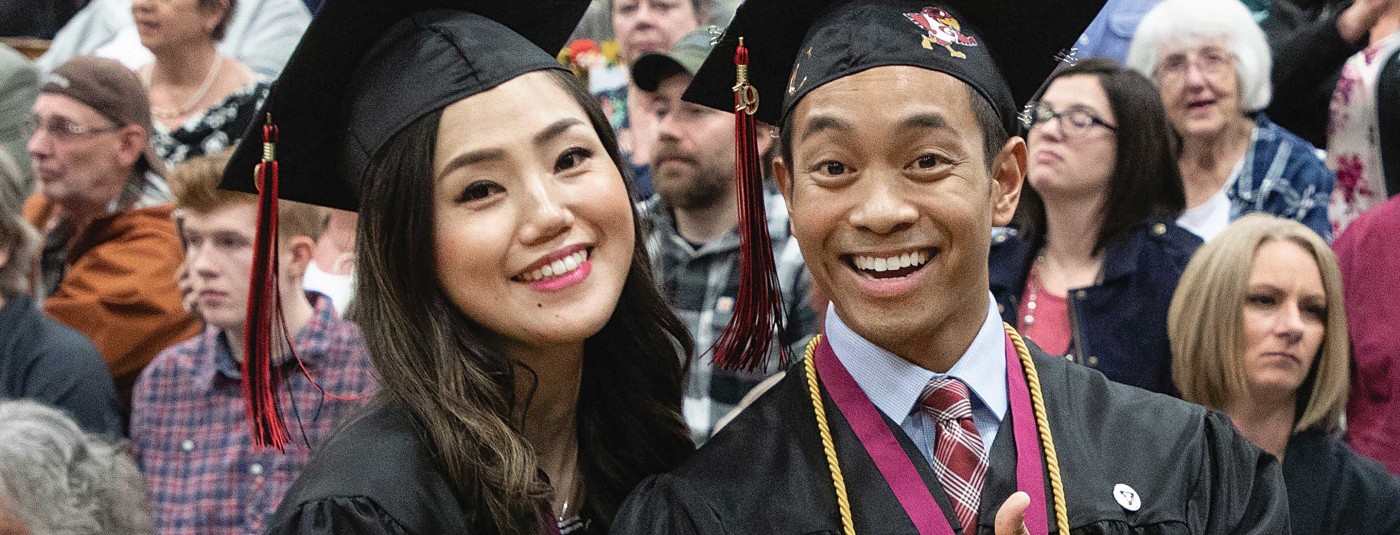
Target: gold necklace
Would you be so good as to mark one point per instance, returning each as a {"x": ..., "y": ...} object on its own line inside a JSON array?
[{"x": 1042, "y": 423}]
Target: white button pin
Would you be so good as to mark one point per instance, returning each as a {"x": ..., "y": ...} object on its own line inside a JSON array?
[{"x": 1127, "y": 497}]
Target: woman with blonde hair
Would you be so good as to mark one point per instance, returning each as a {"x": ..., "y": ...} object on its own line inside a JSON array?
[{"x": 1258, "y": 331}]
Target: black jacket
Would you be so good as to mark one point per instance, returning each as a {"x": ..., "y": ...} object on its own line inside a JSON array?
[
  {"x": 1308, "y": 54},
  {"x": 44, "y": 360},
  {"x": 766, "y": 471},
  {"x": 1332, "y": 489},
  {"x": 1120, "y": 324}
]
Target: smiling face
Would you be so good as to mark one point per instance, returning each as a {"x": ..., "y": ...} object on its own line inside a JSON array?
[
  {"x": 1066, "y": 163},
  {"x": 533, "y": 226},
  {"x": 165, "y": 23},
  {"x": 1200, "y": 88},
  {"x": 897, "y": 234},
  {"x": 1285, "y": 318}
]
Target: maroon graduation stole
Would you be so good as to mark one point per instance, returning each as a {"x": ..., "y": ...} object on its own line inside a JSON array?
[{"x": 894, "y": 464}]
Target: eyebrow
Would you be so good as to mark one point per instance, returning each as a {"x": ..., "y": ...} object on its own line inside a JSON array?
[
  {"x": 925, "y": 121},
  {"x": 555, "y": 130},
  {"x": 543, "y": 137},
  {"x": 822, "y": 123}
]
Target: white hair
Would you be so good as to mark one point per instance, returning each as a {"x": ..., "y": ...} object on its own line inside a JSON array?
[
  {"x": 1177, "y": 25},
  {"x": 58, "y": 480}
]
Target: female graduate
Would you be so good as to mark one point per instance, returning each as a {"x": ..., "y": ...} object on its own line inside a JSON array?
[
  {"x": 1258, "y": 330},
  {"x": 530, "y": 371}
]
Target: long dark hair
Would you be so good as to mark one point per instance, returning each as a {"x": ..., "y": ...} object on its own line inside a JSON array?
[
  {"x": 434, "y": 360},
  {"x": 1145, "y": 183}
]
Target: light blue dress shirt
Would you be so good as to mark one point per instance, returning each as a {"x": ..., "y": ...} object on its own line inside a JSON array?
[{"x": 894, "y": 384}]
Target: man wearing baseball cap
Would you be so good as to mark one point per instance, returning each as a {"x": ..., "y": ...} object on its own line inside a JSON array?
[
  {"x": 693, "y": 237},
  {"x": 110, "y": 250}
]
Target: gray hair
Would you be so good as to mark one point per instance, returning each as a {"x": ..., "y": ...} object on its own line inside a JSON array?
[
  {"x": 58, "y": 480},
  {"x": 17, "y": 236},
  {"x": 1177, "y": 25}
]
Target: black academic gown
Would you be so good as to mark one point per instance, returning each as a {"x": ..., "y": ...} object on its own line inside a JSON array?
[
  {"x": 1332, "y": 489},
  {"x": 375, "y": 475},
  {"x": 766, "y": 473}
]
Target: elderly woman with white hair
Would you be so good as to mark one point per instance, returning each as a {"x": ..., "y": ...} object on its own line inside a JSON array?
[
  {"x": 57, "y": 479},
  {"x": 1211, "y": 63},
  {"x": 40, "y": 358}
]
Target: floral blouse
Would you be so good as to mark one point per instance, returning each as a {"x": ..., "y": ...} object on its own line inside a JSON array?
[
  {"x": 217, "y": 129},
  {"x": 1353, "y": 135}
]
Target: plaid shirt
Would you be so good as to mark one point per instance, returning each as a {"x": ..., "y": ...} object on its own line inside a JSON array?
[
  {"x": 189, "y": 428},
  {"x": 700, "y": 285}
]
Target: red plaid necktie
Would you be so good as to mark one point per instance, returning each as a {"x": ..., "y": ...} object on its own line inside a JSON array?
[{"x": 958, "y": 458}]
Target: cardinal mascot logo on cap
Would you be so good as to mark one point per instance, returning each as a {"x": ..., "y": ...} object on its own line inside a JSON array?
[{"x": 942, "y": 29}]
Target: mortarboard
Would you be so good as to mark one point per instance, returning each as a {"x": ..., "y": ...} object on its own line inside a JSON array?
[
  {"x": 1003, "y": 49},
  {"x": 363, "y": 71},
  {"x": 783, "y": 49}
]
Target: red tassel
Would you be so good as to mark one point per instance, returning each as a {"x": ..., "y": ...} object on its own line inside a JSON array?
[
  {"x": 264, "y": 323},
  {"x": 758, "y": 309}
]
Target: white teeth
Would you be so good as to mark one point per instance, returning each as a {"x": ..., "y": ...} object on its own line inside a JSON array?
[
  {"x": 556, "y": 268},
  {"x": 870, "y": 263}
]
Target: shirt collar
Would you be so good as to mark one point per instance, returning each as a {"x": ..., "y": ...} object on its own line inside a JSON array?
[
  {"x": 894, "y": 384},
  {"x": 311, "y": 343}
]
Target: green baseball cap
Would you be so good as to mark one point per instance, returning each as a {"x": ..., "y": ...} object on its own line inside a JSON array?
[{"x": 686, "y": 56}]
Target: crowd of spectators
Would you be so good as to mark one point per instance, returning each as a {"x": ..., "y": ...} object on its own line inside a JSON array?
[{"x": 1209, "y": 212}]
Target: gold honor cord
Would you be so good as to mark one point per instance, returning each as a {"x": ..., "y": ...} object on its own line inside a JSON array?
[{"x": 1047, "y": 442}]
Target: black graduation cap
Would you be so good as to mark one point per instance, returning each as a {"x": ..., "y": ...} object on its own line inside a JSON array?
[
  {"x": 364, "y": 69},
  {"x": 1003, "y": 49}
]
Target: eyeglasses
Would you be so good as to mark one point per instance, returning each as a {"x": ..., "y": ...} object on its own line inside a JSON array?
[
  {"x": 1074, "y": 122},
  {"x": 1210, "y": 61},
  {"x": 63, "y": 129}
]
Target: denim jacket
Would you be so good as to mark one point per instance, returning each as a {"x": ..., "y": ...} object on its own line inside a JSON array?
[
  {"x": 1282, "y": 175},
  {"x": 1119, "y": 325}
]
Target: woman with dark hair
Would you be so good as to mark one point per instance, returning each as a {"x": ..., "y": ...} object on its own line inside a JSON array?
[
  {"x": 1093, "y": 257},
  {"x": 530, "y": 372}
]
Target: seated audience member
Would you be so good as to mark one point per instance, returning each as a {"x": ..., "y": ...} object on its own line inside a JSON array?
[
  {"x": 57, "y": 479},
  {"x": 19, "y": 84},
  {"x": 332, "y": 268},
  {"x": 693, "y": 237},
  {"x": 201, "y": 100},
  {"x": 1090, "y": 270},
  {"x": 261, "y": 34},
  {"x": 1259, "y": 331},
  {"x": 42, "y": 359},
  {"x": 1368, "y": 252},
  {"x": 110, "y": 250},
  {"x": 189, "y": 428},
  {"x": 642, "y": 26},
  {"x": 1363, "y": 147},
  {"x": 1211, "y": 62}
]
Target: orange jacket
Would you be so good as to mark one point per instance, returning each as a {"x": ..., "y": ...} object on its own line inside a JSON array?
[{"x": 120, "y": 287}]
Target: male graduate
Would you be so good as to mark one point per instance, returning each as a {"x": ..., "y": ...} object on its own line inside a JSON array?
[{"x": 897, "y": 162}]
